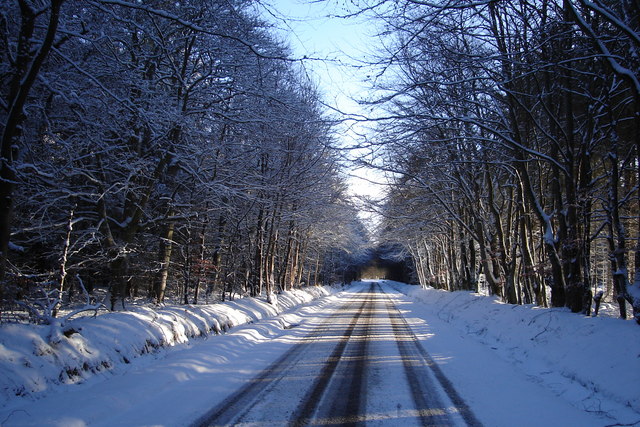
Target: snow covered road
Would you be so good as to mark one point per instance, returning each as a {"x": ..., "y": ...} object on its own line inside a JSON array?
[
  {"x": 360, "y": 364},
  {"x": 368, "y": 355}
]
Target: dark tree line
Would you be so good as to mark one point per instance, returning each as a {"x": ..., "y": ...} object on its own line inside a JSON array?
[
  {"x": 151, "y": 147},
  {"x": 513, "y": 130}
]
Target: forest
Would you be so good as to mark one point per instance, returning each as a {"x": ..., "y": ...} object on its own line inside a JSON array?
[
  {"x": 512, "y": 133},
  {"x": 154, "y": 148}
]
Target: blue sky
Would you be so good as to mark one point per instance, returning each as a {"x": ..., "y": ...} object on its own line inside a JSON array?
[
  {"x": 313, "y": 30},
  {"x": 339, "y": 47}
]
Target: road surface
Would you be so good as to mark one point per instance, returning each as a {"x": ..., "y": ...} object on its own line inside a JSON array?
[{"x": 362, "y": 364}]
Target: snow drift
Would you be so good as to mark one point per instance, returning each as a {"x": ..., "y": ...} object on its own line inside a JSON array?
[
  {"x": 30, "y": 366},
  {"x": 553, "y": 347}
]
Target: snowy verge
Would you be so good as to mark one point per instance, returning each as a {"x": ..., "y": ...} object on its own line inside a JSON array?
[
  {"x": 30, "y": 366},
  {"x": 553, "y": 347}
]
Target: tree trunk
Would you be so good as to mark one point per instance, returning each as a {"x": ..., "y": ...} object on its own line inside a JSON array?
[
  {"x": 25, "y": 71},
  {"x": 164, "y": 258},
  {"x": 286, "y": 261},
  {"x": 636, "y": 278},
  {"x": 302, "y": 254},
  {"x": 201, "y": 258},
  {"x": 493, "y": 281},
  {"x": 63, "y": 262},
  {"x": 257, "y": 271},
  {"x": 293, "y": 275},
  {"x": 617, "y": 234}
]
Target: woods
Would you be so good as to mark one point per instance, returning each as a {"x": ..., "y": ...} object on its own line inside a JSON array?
[
  {"x": 512, "y": 132},
  {"x": 154, "y": 148}
]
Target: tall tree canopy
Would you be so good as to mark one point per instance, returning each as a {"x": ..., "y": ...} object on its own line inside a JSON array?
[
  {"x": 152, "y": 147},
  {"x": 514, "y": 132}
]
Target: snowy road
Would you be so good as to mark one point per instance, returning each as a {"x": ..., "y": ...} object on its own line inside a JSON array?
[
  {"x": 367, "y": 355},
  {"x": 361, "y": 364}
]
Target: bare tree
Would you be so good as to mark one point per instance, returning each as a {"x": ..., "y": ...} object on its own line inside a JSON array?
[{"x": 502, "y": 106}]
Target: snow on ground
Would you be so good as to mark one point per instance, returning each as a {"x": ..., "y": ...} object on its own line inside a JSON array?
[
  {"x": 503, "y": 358},
  {"x": 172, "y": 387},
  {"x": 513, "y": 365},
  {"x": 31, "y": 367}
]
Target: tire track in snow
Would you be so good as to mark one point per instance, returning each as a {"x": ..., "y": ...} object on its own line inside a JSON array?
[
  {"x": 337, "y": 393},
  {"x": 345, "y": 377},
  {"x": 417, "y": 364},
  {"x": 345, "y": 412},
  {"x": 233, "y": 409}
]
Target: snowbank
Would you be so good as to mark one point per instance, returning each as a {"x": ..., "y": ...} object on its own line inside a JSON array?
[
  {"x": 30, "y": 366},
  {"x": 549, "y": 345}
]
